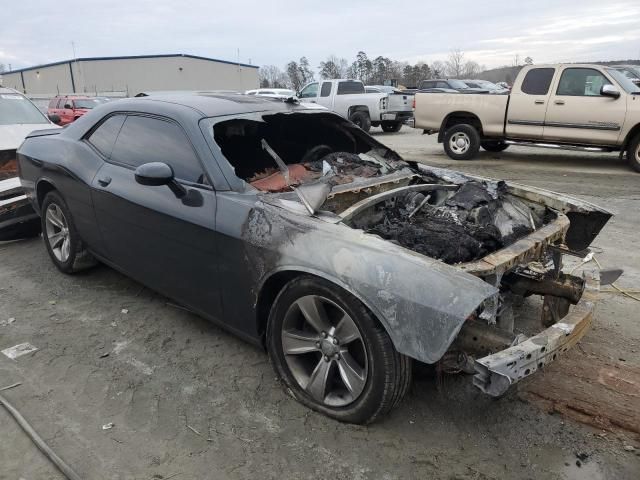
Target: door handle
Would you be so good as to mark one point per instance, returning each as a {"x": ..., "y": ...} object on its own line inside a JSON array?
[
  {"x": 539, "y": 102},
  {"x": 104, "y": 181},
  {"x": 559, "y": 102}
]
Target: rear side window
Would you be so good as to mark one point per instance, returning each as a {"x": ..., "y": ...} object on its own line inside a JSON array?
[
  {"x": 537, "y": 81},
  {"x": 145, "y": 139},
  {"x": 105, "y": 135},
  {"x": 348, "y": 88},
  {"x": 326, "y": 89},
  {"x": 53, "y": 102}
]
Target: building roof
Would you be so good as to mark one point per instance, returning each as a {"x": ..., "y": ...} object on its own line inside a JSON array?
[{"x": 130, "y": 57}]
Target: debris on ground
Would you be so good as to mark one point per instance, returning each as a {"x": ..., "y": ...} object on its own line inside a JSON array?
[
  {"x": 19, "y": 350},
  {"x": 124, "y": 310},
  {"x": 108, "y": 426}
]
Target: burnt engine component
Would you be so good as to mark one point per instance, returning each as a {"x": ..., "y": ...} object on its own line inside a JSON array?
[{"x": 462, "y": 227}]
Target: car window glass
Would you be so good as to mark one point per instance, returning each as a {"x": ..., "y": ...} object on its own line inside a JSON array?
[
  {"x": 53, "y": 102},
  {"x": 105, "y": 135},
  {"x": 537, "y": 81},
  {"x": 310, "y": 91},
  {"x": 17, "y": 109},
  {"x": 442, "y": 85},
  {"x": 348, "y": 88},
  {"x": 326, "y": 89},
  {"x": 583, "y": 82},
  {"x": 145, "y": 139}
]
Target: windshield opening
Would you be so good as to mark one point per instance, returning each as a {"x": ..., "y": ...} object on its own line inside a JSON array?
[
  {"x": 623, "y": 80},
  {"x": 310, "y": 144},
  {"x": 16, "y": 109}
]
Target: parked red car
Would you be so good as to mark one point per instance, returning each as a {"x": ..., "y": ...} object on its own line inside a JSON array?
[{"x": 69, "y": 108}]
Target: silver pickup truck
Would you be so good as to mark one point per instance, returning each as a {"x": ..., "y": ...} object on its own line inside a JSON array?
[
  {"x": 349, "y": 99},
  {"x": 584, "y": 107}
]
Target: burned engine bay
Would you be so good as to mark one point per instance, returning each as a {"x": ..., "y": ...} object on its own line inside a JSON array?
[
  {"x": 276, "y": 153},
  {"x": 455, "y": 225}
]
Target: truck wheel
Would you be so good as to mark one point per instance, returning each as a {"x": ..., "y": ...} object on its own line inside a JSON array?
[
  {"x": 494, "y": 146},
  {"x": 331, "y": 353},
  {"x": 362, "y": 120},
  {"x": 462, "y": 142},
  {"x": 391, "y": 126},
  {"x": 633, "y": 153}
]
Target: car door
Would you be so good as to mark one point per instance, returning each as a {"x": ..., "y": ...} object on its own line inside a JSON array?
[
  {"x": 309, "y": 93},
  {"x": 578, "y": 113},
  {"x": 165, "y": 242},
  {"x": 66, "y": 110},
  {"x": 528, "y": 104},
  {"x": 324, "y": 97}
]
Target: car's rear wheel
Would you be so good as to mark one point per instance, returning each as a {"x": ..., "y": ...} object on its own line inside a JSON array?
[
  {"x": 494, "y": 146},
  {"x": 461, "y": 141},
  {"x": 66, "y": 249},
  {"x": 391, "y": 126},
  {"x": 332, "y": 354},
  {"x": 633, "y": 153},
  {"x": 362, "y": 120}
]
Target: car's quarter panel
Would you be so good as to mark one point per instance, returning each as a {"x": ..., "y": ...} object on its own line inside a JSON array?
[
  {"x": 68, "y": 166},
  {"x": 584, "y": 119},
  {"x": 421, "y": 302},
  {"x": 433, "y": 109}
]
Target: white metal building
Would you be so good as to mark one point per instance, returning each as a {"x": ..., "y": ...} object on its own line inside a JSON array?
[{"x": 132, "y": 74}]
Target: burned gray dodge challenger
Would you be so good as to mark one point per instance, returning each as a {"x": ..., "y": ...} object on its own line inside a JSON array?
[{"x": 296, "y": 230}]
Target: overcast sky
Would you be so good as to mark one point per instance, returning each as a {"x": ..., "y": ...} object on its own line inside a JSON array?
[{"x": 274, "y": 32}]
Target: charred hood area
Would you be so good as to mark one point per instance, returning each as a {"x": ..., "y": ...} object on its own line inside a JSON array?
[
  {"x": 8, "y": 164},
  {"x": 454, "y": 226}
]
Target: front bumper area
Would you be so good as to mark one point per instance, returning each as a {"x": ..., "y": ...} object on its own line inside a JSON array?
[{"x": 497, "y": 372}]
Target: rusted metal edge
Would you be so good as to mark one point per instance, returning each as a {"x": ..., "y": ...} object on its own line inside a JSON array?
[
  {"x": 497, "y": 372},
  {"x": 522, "y": 250}
]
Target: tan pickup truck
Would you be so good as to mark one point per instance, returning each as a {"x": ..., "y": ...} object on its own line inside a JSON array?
[{"x": 578, "y": 107}]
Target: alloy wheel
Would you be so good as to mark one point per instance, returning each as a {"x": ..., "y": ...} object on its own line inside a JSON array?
[
  {"x": 324, "y": 351},
  {"x": 57, "y": 231},
  {"x": 459, "y": 143}
]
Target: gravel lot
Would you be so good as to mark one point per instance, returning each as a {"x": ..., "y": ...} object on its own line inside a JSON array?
[{"x": 190, "y": 401}]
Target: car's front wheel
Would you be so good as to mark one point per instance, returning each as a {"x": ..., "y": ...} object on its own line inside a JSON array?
[
  {"x": 66, "y": 249},
  {"x": 461, "y": 141},
  {"x": 332, "y": 354}
]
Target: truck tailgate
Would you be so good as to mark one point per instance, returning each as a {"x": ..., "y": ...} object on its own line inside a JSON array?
[{"x": 400, "y": 102}]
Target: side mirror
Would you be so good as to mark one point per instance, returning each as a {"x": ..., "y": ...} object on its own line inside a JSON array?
[
  {"x": 67, "y": 105},
  {"x": 155, "y": 174},
  {"x": 609, "y": 91},
  {"x": 54, "y": 118}
]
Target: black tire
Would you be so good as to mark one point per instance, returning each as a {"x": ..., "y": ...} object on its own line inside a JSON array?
[
  {"x": 79, "y": 257},
  {"x": 467, "y": 133},
  {"x": 633, "y": 153},
  {"x": 362, "y": 120},
  {"x": 388, "y": 375},
  {"x": 494, "y": 146},
  {"x": 391, "y": 127}
]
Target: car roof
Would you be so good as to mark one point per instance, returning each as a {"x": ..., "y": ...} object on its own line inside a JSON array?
[{"x": 208, "y": 104}]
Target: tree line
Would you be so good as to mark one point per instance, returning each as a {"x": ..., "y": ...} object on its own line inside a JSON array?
[{"x": 370, "y": 71}]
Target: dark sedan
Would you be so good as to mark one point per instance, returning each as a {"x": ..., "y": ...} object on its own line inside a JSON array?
[{"x": 298, "y": 231}]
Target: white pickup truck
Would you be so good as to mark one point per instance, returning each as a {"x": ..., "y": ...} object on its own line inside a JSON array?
[
  {"x": 578, "y": 107},
  {"x": 349, "y": 99}
]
